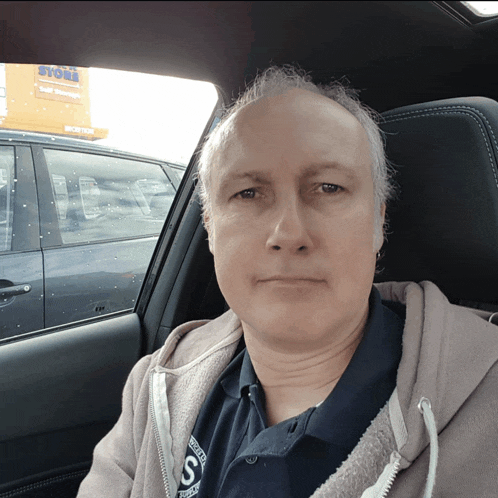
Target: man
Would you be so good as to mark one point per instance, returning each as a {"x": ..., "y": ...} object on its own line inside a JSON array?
[{"x": 311, "y": 385}]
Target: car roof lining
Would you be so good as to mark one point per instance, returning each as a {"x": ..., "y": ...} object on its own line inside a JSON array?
[{"x": 227, "y": 42}]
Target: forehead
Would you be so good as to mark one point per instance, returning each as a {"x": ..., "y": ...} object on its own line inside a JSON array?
[{"x": 299, "y": 129}]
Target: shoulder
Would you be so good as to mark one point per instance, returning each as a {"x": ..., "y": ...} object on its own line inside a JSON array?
[
  {"x": 187, "y": 343},
  {"x": 427, "y": 295},
  {"x": 193, "y": 340}
]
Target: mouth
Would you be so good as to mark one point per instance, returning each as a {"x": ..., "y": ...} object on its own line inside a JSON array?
[{"x": 292, "y": 280}]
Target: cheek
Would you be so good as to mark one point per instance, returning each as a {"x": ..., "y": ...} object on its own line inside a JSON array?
[
  {"x": 352, "y": 234},
  {"x": 235, "y": 251},
  {"x": 234, "y": 267}
]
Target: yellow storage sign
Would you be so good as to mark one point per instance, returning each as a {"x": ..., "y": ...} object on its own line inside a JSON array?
[{"x": 47, "y": 99}]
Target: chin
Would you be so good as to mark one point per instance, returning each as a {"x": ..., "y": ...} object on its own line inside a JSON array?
[{"x": 292, "y": 323}]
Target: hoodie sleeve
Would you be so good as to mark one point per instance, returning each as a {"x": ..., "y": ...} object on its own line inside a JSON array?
[{"x": 115, "y": 456}]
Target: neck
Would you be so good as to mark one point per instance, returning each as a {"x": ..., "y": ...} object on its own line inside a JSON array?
[{"x": 297, "y": 379}]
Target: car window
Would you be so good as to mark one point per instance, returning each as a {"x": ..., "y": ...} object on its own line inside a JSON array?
[
  {"x": 104, "y": 197},
  {"x": 7, "y": 192},
  {"x": 103, "y": 153}
]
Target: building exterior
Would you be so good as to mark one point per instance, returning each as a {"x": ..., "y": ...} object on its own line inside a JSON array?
[{"x": 47, "y": 99}]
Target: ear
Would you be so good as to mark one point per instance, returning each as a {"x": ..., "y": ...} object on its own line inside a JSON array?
[
  {"x": 380, "y": 242},
  {"x": 207, "y": 225}
]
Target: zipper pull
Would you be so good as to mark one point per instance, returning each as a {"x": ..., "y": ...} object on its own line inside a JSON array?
[{"x": 385, "y": 480}]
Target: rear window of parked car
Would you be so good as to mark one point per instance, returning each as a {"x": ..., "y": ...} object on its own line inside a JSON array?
[
  {"x": 103, "y": 197},
  {"x": 6, "y": 196}
]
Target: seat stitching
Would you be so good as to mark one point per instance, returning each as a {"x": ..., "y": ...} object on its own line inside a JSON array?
[
  {"x": 40, "y": 484},
  {"x": 452, "y": 112},
  {"x": 472, "y": 109}
]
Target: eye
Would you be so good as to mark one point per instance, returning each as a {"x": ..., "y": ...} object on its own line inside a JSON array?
[
  {"x": 330, "y": 188},
  {"x": 248, "y": 193}
]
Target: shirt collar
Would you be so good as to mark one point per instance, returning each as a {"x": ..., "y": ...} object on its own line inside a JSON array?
[{"x": 239, "y": 375}]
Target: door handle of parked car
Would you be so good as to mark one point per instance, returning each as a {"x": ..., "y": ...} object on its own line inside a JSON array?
[{"x": 15, "y": 290}]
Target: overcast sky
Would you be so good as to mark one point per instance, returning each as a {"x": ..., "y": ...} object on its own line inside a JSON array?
[
  {"x": 148, "y": 114},
  {"x": 486, "y": 8}
]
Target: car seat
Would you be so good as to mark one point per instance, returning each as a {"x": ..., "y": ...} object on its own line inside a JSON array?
[{"x": 443, "y": 225}]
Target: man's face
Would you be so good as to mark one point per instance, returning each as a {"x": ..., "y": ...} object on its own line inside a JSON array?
[{"x": 292, "y": 229}]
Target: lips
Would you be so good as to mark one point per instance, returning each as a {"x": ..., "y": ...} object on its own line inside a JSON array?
[{"x": 292, "y": 279}]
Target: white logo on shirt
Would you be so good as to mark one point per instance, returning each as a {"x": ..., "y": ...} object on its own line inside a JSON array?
[{"x": 192, "y": 470}]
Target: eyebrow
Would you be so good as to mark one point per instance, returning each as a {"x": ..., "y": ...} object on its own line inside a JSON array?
[
  {"x": 255, "y": 176},
  {"x": 265, "y": 179},
  {"x": 316, "y": 168}
]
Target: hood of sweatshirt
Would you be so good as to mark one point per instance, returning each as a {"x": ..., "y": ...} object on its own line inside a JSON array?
[{"x": 447, "y": 351}]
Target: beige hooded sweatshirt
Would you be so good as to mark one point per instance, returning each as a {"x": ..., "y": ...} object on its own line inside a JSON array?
[{"x": 436, "y": 437}]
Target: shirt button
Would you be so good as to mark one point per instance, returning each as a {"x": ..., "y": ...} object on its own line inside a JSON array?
[{"x": 251, "y": 460}]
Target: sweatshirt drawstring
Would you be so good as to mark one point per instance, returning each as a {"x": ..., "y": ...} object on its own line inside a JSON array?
[{"x": 424, "y": 407}]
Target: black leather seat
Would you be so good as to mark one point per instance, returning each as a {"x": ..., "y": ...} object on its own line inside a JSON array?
[{"x": 444, "y": 224}]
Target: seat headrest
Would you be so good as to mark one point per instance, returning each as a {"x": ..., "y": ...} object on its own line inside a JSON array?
[{"x": 443, "y": 226}]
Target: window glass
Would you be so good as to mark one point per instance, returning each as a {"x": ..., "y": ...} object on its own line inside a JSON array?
[
  {"x": 61, "y": 196},
  {"x": 7, "y": 192},
  {"x": 104, "y": 197},
  {"x": 108, "y": 150}
]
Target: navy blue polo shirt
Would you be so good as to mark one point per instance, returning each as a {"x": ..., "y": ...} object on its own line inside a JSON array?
[{"x": 232, "y": 453}]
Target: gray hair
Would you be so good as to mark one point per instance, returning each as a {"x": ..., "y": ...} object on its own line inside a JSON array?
[{"x": 277, "y": 81}]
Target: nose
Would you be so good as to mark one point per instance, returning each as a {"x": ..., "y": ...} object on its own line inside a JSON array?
[{"x": 289, "y": 229}]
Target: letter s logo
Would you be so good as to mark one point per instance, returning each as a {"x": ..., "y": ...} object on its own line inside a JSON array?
[
  {"x": 42, "y": 70},
  {"x": 189, "y": 471}
]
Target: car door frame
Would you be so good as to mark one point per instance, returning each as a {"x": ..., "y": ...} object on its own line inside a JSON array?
[
  {"x": 73, "y": 375},
  {"x": 25, "y": 245}
]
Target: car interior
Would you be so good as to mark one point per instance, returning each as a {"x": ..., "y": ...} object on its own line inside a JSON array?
[{"x": 425, "y": 67}]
